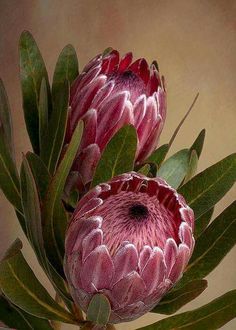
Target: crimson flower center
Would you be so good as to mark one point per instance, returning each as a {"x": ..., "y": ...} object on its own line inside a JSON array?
[{"x": 138, "y": 212}]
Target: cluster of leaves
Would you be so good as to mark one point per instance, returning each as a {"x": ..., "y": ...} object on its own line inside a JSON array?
[{"x": 36, "y": 194}]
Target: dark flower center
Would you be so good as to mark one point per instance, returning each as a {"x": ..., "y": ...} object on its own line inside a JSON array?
[{"x": 138, "y": 212}]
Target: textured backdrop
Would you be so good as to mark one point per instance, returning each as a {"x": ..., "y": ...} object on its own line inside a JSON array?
[{"x": 194, "y": 43}]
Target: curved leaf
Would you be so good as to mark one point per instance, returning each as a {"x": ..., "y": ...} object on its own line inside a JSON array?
[
  {"x": 211, "y": 316},
  {"x": 192, "y": 166},
  {"x": 202, "y": 222},
  {"x": 43, "y": 112},
  {"x": 118, "y": 156},
  {"x": 32, "y": 71},
  {"x": 198, "y": 143},
  {"x": 204, "y": 190},
  {"x": 99, "y": 310},
  {"x": 158, "y": 156}
]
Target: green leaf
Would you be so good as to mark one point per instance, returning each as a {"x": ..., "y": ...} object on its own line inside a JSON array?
[
  {"x": 192, "y": 165},
  {"x": 5, "y": 119},
  {"x": 202, "y": 222},
  {"x": 15, "y": 317},
  {"x": 9, "y": 178},
  {"x": 13, "y": 249},
  {"x": 32, "y": 71},
  {"x": 53, "y": 214},
  {"x": 212, "y": 246},
  {"x": 21, "y": 287},
  {"x": 204, "y": 190},
  {"x": 198, "y": 143},
  {"x": 54, "y": 138},
  {"x": 43, "y": 112},
  {"x": 118, "y": 156},
  {"x": 158, "y": 156},
  {"x": 99, "y": 310},
  {"x": 67, "y": 68},
  {"x": 175, "y": 168},
  {"x": 32, "y": 211},
  {"x": 177, "y": 298},
  {"x": 144, "y": 169},
  {"x": 211, "y": 316}
]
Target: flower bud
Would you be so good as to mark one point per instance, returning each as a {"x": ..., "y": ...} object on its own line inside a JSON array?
[
  {"x": 108, "y": 94},
  {"x": 130, "y": 239}
]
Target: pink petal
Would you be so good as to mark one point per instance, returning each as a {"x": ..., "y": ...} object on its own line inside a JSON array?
[
  {"x": 129, "y": 313},
  {"x": 125, "y": 261},
  {"x": 90, "y": 127},
  {"x": 91, "y": 241},
  {"x": 129, "y": 289},
  {"x": 139, "y": 110},
  {"x": 102, "y": 94},
  {"x": 91, "y": 205},
  {"x": 170, "y": 254},
  {"x": 154, "y": 81},
  {"x": 144, "y": 257},
  {"x": 89, "y": 77},
  {"x": 187, "y": 215},
  {"x": 125, "y": 62},
  {"x": 97, "y": 271},
  {"x": 180, "y": 264},
  {"x": 154, "y": 271},
  {"x": 185, "y": 235},
  {"x": 110, "y": 62}
]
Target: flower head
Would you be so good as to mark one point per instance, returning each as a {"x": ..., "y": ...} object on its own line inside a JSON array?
[
  {"x": 112, "y": 92},
  {"x": 130, "y": 239}
]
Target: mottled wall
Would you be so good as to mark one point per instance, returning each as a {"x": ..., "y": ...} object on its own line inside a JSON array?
[{"x": 194, "y": 43}]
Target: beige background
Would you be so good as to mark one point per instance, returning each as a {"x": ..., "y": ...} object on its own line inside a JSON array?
[{"x": 194, "y": 43}]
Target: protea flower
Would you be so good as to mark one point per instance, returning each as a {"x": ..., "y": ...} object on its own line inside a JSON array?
[
  {"x": 129, "y": 239},
  {"x": 109, "y": 93}
]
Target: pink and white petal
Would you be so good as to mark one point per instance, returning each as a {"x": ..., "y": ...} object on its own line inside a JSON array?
[
  {"x": 93, "y": 63},
  {"x": 90, "y": 128},
  {"x": 74, "y": 264},
  {"x": 97, "y": 270},
  {"x": 144, "y": 257},
  {"x": 125, "y": 61},
  {"x": 129, "y": 289},
  {"x": 102, "y": 94},
  {"x": 187, "y": 215},
  {"x": 180, "y": 264},
  {"x": 154, "y": 81},
  {"x": 153, "y": 299},
  {"x": 139, "y": 110},
  {"x": 129, "y": 313},
  {"x": 186, "y": 236},
  {"x": 140, "y": 67},
  {"x": 110, "y": 62},
  {"x": 88, "y": 160},
  {"x": 125, "y": 261},
  {"x": 90, "y": 206},
  {"x": 170, "y": 254},
  {"x": 154, "y": 271},
  {"x": 89, "y": 77},
  {"x": 91, "y": 241}
]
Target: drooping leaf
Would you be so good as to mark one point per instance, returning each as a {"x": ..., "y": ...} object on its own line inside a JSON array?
[
  {"x": 144, "y": 169},
  {"x": 183, "y": 120},
  {"x": 18, "y": 319},
  {"x": 21, "y": 287},
  {"x": 32, "y": 211},
  {"x": 192, "y": 166},
  {"x": 32, "y": 71},
  {"x": 158, "y": 156},
  {"x": 67, "y": 68},
  {"x": 43, "y": 112},
  {"x": 177, "y": 298},
  {"x": 118, "y": 156},
  {"x": 211, "y": 316},
  {"x": 174, "y": 169},
  {"x": 54, "y": 216},
  {"x": 54, "y": 137},
  {"x": 5, "y": 119},
  {"x": 198, "y": 143},
  {"x": 9, "y": 178},
  {"x": 204, "y": 190},
  {"x": 202, "y": 222},
  {"x": 212, "y": 246},
  {"x": 99, "y": 310}
]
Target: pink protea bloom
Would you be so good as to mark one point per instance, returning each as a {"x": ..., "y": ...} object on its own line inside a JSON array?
[
  {"x": 109, "y": 93},
  {"x": 130, "y": 239}
]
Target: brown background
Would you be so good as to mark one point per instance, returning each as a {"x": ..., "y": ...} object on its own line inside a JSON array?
[{"x": 194, "y": 43}]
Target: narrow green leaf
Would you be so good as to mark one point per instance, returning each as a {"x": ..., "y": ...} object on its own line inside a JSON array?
[
  {"x": 5, "y": 119},
  {"x": 99, "y": 310},
  {"x": 198, "y": 143},
  {"x": 177, "y": 298},
  {"x": 43, "y": 112},
  {"x": 9, "y": 178},
  {"x": 192, "y": 166},
  {"x": 21, "y": 287},
  {"x": 158, "y": 156},
  {"x": 204, "y": 190},
  {"x": 32, "y": 211},
  {"x": 118, "y": 156},
  {"x": 144, "y": 169},
  {"x": 212, "y": 246},
  {"x": 202, "y": 222},
  {"x": 175, "y": 168},
  {"x": 211, "y": 316},
  {"x": 54, "y": 216},
  {"x": 54, "y": 138},
  {"x": 32, "y": 71},
  {"x": 67, "y": 68},
  {"x": 15, "y": 317}
]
